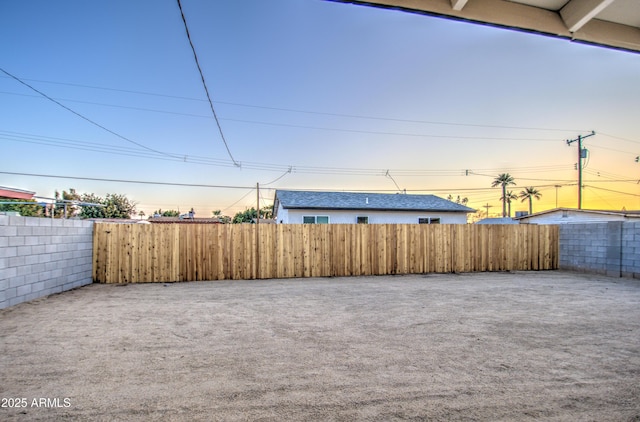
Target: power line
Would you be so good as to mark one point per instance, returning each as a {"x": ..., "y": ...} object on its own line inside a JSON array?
[
  {"x": 614, "y": 191},
  {"x": 128, "y": 91},
  {"x": 82, "y": 116},
  {"x": 387, "y": 174},
  {"x": 243, "y": 196},
  {"x": 109, "y": 149},
  {"x": 251, "y": 188},
  {"x": 289, "y": 125},
  {"x": 369, "y": 132},
  {"x": 144, "y": 182},
  {"x": 612, "y": 149},
  {"x": 194, "y": 159},
  {"x": 112, "y": 105},
  {"x": 619, "y": 138},
  {"x": 332, "y": 114},
  {"x": 198, "y": 185},
  {"x": 195, "y": 56},
  {"x": 278, "y": 178}
]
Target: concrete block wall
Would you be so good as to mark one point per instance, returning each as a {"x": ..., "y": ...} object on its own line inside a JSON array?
[
  {"x": 41, "y": 256},
  {"x": 631, "y": 250},
  {"x": 611, "y": 248}
]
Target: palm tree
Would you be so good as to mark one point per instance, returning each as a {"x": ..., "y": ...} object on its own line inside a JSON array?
[
  {"x": 141, "y": 214},
  {"x": 510, "y": 197},
  {"x": 530, "y": 193},
  {"x": 503, "y": 180}
]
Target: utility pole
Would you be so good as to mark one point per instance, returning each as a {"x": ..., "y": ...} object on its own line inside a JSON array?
[
  {"x": 487, "y": 206},
  {"x": 557, "y": 186},
  {"x": 582, "y": 153}
]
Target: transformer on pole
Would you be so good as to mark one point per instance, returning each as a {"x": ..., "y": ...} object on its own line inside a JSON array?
[{"x": 582, "y": 154}]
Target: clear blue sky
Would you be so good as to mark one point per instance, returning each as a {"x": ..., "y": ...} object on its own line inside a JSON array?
[{"x": 337, "y": 93}]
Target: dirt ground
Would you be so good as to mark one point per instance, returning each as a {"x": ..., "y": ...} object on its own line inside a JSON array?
[{"x": 490, "y": 346}]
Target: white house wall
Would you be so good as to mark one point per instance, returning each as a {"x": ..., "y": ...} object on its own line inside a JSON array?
[{"x": 289, "y": 216}]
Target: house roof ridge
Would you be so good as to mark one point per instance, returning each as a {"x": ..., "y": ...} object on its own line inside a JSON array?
[{"x": 343, "y": 200}]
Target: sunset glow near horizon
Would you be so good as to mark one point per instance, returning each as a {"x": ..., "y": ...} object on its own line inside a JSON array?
[{"x": 310, "y": 95}]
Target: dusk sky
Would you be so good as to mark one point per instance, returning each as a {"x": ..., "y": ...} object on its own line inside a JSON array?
[{"x": 310, "y": 94}]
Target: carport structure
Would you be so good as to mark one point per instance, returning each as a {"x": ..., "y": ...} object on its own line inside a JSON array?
[{"x": 608, "y": 23}]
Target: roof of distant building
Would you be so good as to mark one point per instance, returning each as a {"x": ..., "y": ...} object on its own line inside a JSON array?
[
  {"x": 13, "y": 193},
  {"x": 631, "y": 214},
  {"x": 179, "y": 220},
  {"x": 117, "y": 220},
  {"x": 365, "y": 201},
  {"x": 500, "y": 220}
]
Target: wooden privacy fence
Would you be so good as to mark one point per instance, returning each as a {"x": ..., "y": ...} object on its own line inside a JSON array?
[{"x": 132, "y": 253}]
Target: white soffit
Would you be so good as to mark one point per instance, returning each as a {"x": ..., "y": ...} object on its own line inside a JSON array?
[{"x": 608, "y": 23}]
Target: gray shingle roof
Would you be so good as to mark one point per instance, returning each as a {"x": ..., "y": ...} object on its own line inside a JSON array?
[{"x": 365, "y": 201}]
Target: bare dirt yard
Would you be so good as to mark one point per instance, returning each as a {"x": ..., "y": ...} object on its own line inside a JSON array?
[{"x": 490, "y": 346}]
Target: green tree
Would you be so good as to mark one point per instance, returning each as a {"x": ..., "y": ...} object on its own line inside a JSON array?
[
  {"x": 266, "y": 212},
  {"x": 245, "y": 216},
  {"x": 25, "y": 210},
  {"x": 504, "y": 180},
  {"x": 113, "y": 206},
  {"x": 88, "y": 211},
  {"x": 224, "y": 219},
  {"x": 458, "y": 200},
  {"x": 65, "y": 207},
  {"x": 249, "y": 215},
  {"x": 141, "y": 214},
  {"x": 119, "y": 206},
  {"x": 168, "y": 213},
  {"x": 530, "y": 193},
  {"x": 510, "y": 197}
]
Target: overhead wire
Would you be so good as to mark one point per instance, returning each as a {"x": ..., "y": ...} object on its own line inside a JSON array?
[
  {"x": 332, "y": 114},
  {"x": 619, "y": 138},
  {"x": 469, "y": 192},
  {"x": 243, "y": 196},
  {"x": 81, "y": 115},
  {"x": 144, "y": 182},
  {"x": 295, "y": 126},
  {"x": 204, "y": 83},
  {"x": 152, "y": 110},
  {"x": 278, "y": 178},
  {"x": 194, "y": 159},
  {"x": 200, "y": 185},
  {"x": 370, "y": 132},
  {"x": 614, "y": 191}
]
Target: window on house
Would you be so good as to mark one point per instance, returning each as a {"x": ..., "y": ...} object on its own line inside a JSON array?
[
  {"x": 315, "y": 219},
  {"x": 428, "y": 220},
  {"x": 362, "y": 220}
]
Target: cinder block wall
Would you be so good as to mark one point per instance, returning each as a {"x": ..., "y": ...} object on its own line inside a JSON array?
[
  {"x": 611, "y": 248},
  {"x": 631, "y": 250},
  {"x": 41, "y": 256}
]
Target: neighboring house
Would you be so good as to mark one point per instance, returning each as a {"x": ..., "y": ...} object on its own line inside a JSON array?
[
  {"x": 12, "y": 193},
  {"x": 572, "y": 215},
  {"x": 304, "y": 207},
  {"x": 500, "y": 220}
]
